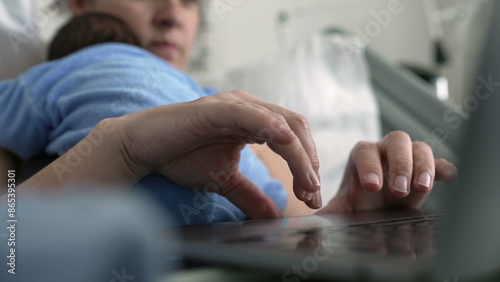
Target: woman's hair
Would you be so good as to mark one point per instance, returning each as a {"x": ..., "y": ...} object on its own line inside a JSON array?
[{"x": 90, "y": 29}]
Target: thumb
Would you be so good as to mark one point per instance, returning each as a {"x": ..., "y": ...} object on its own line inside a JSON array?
[{"x": 244, "y": 194}]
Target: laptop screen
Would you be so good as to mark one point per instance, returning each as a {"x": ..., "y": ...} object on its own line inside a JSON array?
[{"x": 470, "y": 242}]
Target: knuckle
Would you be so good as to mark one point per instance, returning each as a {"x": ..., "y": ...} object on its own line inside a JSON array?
[
  {"x": 208, "y": 98},
  {"x": 234, "y": 106},
  {"x": 422, "y": 146},
  {"x": 398, "y": 134},
  {"x": 363, "y": 145},
  {"x": 315, "y": 162},
  {"x": 404, "y": 165},
  {"x": 280, "y": 119},
  {"x": 422, "y": 153},
  {"x": 301, "y": 121},
  {"x": 240, "y": 93},
  {"x": 442, "y": 161},
  {"x": 280, "y": 123},
  {"x": 238, "y": 104}
]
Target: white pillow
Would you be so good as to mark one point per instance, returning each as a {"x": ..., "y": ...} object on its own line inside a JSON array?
[
  {"x": 321, "y": 79},
  {"x": 20, "y": 47}
]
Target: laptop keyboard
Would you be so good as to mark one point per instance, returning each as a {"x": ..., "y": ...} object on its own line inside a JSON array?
[
  {"x": 410, "y": 237},
  {"x": 414, "y": 238}
]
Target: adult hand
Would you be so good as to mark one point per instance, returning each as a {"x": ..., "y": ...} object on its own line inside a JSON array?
[
  {"x": 192, "y": 142},
  {"x": 395, "y": 172}
]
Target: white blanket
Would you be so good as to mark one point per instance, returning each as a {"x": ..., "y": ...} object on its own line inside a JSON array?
[{"x": 20, "y": 47}]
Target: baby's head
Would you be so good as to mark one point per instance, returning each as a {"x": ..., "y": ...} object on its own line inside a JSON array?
[{"x": 90, "y": 29}]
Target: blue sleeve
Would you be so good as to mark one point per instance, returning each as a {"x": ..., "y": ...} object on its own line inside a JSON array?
[
  {"x": 24, "y": 128},
  {"x": 56, "y": 104},
  {"x": 113, "y": 81}
]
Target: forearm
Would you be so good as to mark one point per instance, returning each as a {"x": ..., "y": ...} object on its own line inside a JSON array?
[
  {"x": 8, "y": 161},
  {"x": 96, "y": 161}
]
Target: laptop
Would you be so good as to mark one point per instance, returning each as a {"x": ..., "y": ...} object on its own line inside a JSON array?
[{"x": 461, "y": 244}]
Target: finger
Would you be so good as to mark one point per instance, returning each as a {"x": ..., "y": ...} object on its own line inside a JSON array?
[
  {"x": 397, "y": 146},
  {"x": 300, "y": 193},
  {"x": 297, "y": 148},
  {"x": 445, "y": 171},
  {"x": 423, "y": 167},
  {"x": 303, "y": 184},
  {"x": 298, "y": 124},
  {"x": 316, "y": 201},
  {"x": 299, "y": 161},
  {"x": 312, "y": 200},
  {"x": 366, "y": 160},
  {"x": 258, "y": 121},
  {"x": 249, "y": 198},
  {"x": 305, "y": 173}
]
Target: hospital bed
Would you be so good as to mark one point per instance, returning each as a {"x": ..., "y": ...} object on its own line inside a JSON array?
[{"x": 408, "y": 103}]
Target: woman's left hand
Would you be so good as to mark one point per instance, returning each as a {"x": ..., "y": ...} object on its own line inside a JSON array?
[{"x": 395, "y": 172}]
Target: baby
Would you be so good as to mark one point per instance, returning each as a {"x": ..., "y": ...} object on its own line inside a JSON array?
[
  {"x": 87, "y": 30},
  {"x": 53, "y": 106}
]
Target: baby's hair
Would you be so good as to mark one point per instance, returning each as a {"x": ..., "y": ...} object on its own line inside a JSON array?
[{"x": 90, "y": 29}]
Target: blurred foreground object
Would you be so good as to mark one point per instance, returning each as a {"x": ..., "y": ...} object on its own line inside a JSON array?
[{"x": 84, "y": 237}]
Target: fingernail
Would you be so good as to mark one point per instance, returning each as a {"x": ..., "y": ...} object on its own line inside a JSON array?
[
  {"x": 314, "y": 179},
  {"x": 401, "y": 184},
  {"x": 308, "y": 196},
  {"x": 301, "y": 195},
  {"x": 318, "y": 201},
  {"x": 372, "y": 178},
  {"x": 425, "y": 179}
]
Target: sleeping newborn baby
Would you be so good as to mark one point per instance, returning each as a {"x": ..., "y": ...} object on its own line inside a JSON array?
[
  {"x": 53, "y": 106},
  {"x": 87, "y": 30}
]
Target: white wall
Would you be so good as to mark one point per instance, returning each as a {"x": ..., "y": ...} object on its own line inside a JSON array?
[{"x": 251, "y": 29}]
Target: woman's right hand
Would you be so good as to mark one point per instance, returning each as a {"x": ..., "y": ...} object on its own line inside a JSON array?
[{"x": 198, "y": 144}]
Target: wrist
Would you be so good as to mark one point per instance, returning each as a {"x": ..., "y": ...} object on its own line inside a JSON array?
[
  {"x": 99, "y": 160},
  {"x": 110, "y": 159},
  {"x": 123, "y": 146}
]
